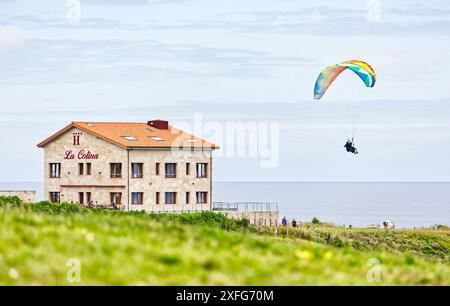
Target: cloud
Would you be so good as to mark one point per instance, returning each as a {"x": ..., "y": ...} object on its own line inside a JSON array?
[
  {"x": 127, "y": 2},
  {"x": 327, "y": 21},
  {"x": 37, "y": 22},
  {"x": 11, "y": 37},
  {"x": 316, "y": 20},
  {"x": 418, "y": 11},
  {"x": 356, "y": 25},
  {"x": 62, "y": 61}
]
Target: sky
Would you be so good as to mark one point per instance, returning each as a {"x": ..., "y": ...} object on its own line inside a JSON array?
[{"x": 235, "y": 64}]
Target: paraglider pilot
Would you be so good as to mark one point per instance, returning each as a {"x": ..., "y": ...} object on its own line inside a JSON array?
[{"x": 350, "y": 147}]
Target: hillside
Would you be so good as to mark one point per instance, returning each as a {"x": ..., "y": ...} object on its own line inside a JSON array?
[
  {"x": 119, "y": 248},
  {"x": 425, "y": 243}
]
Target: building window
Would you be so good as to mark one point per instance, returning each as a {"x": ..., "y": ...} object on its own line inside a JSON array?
[
  {"x": 157, "y": 198},
  {"x": 171, "y": 198},
  {"x": 188, "y": 168},
  {"x": 202, "y": 197},
  {"x": 81, "y": 168},
  {"x": 88, "y": 198},
  {"x": 116, "y": 170},
  {"x": 116, "y": 198},
  {"x": 55, "y": 170},
  {"x": 171, "y": 170},
  {"x": 202, "y": 170},
  {"x": 157, "y": 169},
  {"x": 55, "y": 197},
  {"x": 137, "y": 197},
  {"x": 137, "y": 170},
  {"x": 156, "y": 138},
  {"x": 81, "y": 197},
  {"x": 130, "y": 138},
  {"x": 188, "y": 195}
]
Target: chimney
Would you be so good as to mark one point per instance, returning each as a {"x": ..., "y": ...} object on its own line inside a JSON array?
[{"x": 159, "y": 124}]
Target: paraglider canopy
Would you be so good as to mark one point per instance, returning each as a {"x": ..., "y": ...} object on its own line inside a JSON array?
[{"x": 329, "y": 74}]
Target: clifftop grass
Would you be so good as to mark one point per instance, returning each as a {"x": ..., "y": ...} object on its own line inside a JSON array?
[
  {"x": 38, "y": 241},
  {"x": 425, "y": 243}
]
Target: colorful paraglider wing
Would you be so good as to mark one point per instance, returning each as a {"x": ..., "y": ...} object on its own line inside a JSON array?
[
  {"x": 329, "y": 74},
  {"x": 363, "y": 70},
  {"x": 325, "y": 78}
]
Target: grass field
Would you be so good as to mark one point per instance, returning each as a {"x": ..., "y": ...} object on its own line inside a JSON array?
[
  {"x": 425, "y": 243},
  {"x": 39, "y": 244}
]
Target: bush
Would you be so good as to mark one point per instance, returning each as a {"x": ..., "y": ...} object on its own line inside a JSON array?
[
  {"x": 336, "y": 241},
  {"x": 47, "y": 206},
  {"x": 244, "y": 223},
  {"x": 208, "y": 218},
  {"x": 441, "y": 227},
  {"x": 15, "y": 200},
  {"x": 315, "y": 221}
]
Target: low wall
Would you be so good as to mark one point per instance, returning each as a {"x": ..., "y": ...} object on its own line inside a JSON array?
[
  {"x": 261, "y": 218},
  {"x": 24, "y": 195}
]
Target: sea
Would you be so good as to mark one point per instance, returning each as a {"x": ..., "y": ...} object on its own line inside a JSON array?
[{"x": 360, "y": 204}]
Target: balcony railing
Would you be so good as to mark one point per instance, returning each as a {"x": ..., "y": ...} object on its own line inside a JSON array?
[{"x": 245, "y": 206}]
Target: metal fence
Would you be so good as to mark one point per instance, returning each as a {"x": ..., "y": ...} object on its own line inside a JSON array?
[
  {"x": 216, "y": 206},
  {"x": 245, "y": 206},
  {"x": 181, "y": 211}
]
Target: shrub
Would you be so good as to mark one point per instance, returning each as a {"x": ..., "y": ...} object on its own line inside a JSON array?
[
  {"x": 336, "y": 241},
  {"x": 315, "y": 221},
  {"x": 206, "y": 218},
  {"x": 441, "y": 227},
  {"x": 15, "y": 200},
  {"x": 244, "y": 223},
  {"x": 58, "y": 208},
  {"x": 209, "y": 218}
]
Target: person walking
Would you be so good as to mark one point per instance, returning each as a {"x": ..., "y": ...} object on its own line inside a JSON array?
[{"x": 284, "y": 221}]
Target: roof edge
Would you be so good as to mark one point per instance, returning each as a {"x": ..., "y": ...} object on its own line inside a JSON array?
[
  {"x": 174, "y": 147},
  {"x": 98, "y": 135},
  {"x": 44, "y": 142},
  {"x": 76, "y": 124},
  {"x": 67, "y": 127}
]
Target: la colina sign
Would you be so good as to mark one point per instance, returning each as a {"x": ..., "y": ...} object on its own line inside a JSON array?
[{"x": 69, "y": 154}]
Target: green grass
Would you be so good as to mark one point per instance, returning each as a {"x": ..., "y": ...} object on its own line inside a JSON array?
[
  {"x": 425, "y": 243},
  {"x": 121, "y": 248}
]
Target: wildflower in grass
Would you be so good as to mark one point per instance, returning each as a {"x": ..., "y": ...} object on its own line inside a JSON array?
[
  {"x": 237, "y": 248},
  {"x": 328, "y": 255},
  {"x": 305, "y": 255},
  {"x": 13, "y": 273},
  {"x": 90, "y": 237}
]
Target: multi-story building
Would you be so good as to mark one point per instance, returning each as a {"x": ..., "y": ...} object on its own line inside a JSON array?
[{"x": 135, "y": 166}]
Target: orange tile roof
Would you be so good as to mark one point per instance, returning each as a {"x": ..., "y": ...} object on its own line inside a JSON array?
[{"x": 114, "y": 132}]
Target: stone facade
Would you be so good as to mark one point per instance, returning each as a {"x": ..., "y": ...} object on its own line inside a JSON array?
[
  {"x": 24, "y": 195},
  {"x": 100, "y": 153}
]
